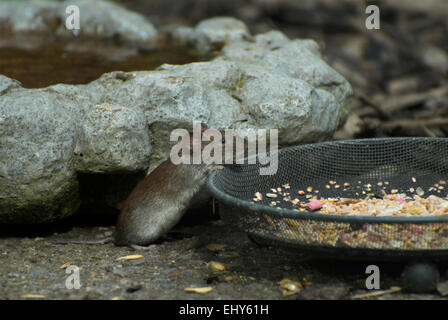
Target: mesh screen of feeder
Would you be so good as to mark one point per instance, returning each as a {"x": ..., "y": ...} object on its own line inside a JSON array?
[{"x": 342, "y": 171}]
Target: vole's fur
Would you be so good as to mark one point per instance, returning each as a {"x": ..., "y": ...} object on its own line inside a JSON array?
[{"x": 159, "y": 201}]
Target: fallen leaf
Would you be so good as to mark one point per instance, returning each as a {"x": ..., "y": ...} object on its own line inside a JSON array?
[
  {"x": 216, "y": 266},
  {"x": 291, "y": 287},
  {"x": 131, "y": 257},
  {"x": 65, "y": 265},
  {"x": 33, "y": 296},
  {"x": 199, "y": 290},
  {"x": 376, "y": 293}
]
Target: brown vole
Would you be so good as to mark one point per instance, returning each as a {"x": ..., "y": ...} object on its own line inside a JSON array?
[{"x": 160, "y": 200}]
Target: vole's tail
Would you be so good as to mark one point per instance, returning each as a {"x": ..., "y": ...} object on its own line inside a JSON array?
[{"x": 83, "y": 241}]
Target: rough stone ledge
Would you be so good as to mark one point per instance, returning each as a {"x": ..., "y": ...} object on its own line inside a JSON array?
[{"x": 120, "y": 123}]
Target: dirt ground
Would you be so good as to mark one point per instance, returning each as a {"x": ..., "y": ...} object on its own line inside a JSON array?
[{"x": 32, "y": 267}]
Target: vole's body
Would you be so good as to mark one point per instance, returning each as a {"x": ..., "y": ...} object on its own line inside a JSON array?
[
  {"x": 159, "y": 201},
  {"x": 156, "y": 204}
]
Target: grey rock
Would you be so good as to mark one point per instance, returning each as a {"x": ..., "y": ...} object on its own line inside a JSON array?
[
  {"x": 227, "y": 112},
  {"x": 97, "y": 18},
  {"x": 212, "y": 34},
  {"x": 169, "y": 101},
  {"x": 26, "y": 16},
  {"x": 114, "y": 138},
  {"x": 7, "y": 84},
  {"x": 121, "y": 123},
  {"x": 218, "y": 74},
  {"x": 260, "y": 90},
  {"x": 276, "y": 101},
  {"x": 106, "y": 19},
  {"x": 298, "y": 59},
  {"x": 180, "y": 35},
  {"x": 37, "y": 172},
  {"x": 221, "y": 79}
]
